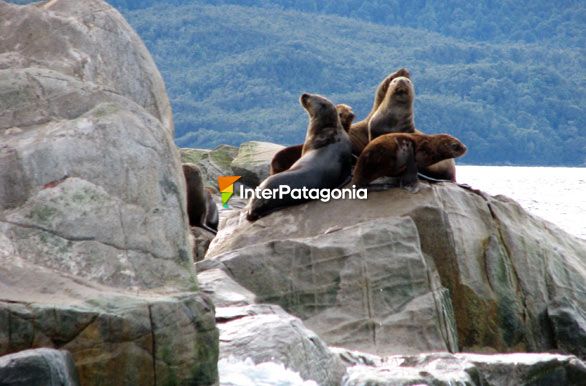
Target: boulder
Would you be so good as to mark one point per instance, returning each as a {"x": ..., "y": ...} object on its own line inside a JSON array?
[
  {"x": 212, "y": 163},
  {"x": 366, "y": 287},
  {"x": 222, "y": 289},
  {"x": 94, "y": 44},
  {"x": 470, "y": 370},
  {"x": 41, "y": 366},
  {"x": 503, "y": 267},
  {"x": 76, "y": 195},
  {"x": 265, "y": 333},
  {"x": 253, "y": 161},
  {"x": 95, "y": 255}
]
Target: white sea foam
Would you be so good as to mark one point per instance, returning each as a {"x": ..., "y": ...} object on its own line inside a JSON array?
[
  {"x": 555, "y": 194},
  {"x": 235, "y": 372}
]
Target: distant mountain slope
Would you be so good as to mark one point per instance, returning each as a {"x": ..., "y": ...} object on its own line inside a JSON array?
[
  {"x": 508, "y": 77},
  {"x": 234, "y": 73},
  {"x": 487, "y": 20}
]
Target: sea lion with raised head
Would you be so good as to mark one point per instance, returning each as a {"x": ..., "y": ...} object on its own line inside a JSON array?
[
  {"x": 395, "y": 114},
  {"x": 359, "y": 131},
  {"x": 326, "y": 161},
  {"x": 286, "y": 157}
]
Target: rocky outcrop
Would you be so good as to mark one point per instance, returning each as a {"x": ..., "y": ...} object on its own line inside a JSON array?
[
  {"x": 444, "y": 369},
  {"x": 212, "y": 163},
  {"x": 365, "y": 287},
  {"x": 509, "y": 275},
  {"x": 38, "y": 367},
  {"x": 95, "y": 256},
  {"x": 253, "y": 161},
  {"x": 265, "y": 333}
]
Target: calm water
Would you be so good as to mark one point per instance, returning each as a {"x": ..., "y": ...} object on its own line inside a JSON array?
[{"x": 555, "y": 194}]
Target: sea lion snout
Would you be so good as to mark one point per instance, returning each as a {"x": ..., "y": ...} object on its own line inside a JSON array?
[
  {"x": 458, "y": 148},
  {"x": 402, "y": 85},
  {"x": 304, "y": 99}
]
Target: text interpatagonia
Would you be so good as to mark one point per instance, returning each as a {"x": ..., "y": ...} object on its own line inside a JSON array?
[{"x": 324, "y": 195}]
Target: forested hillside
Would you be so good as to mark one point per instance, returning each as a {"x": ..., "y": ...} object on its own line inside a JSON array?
[{"x": 508, "y": 78}]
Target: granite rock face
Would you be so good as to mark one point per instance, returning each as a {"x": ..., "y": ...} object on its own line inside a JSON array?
[
  {"x": 95, "y": 255},
  {"x": 515, "y": 282},
  {"x": 38, "y": 367},
  {"x": 94, "y": 44},
  {"x": 366, "y": 287}
]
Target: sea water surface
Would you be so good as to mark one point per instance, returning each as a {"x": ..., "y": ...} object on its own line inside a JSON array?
[{"x": 556, "y": 194}]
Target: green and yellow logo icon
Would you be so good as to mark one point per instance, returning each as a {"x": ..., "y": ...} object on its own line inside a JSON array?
[{"x": 226, "y": 186}]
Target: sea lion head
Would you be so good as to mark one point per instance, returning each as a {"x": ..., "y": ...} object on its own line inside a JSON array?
[
  {"x": 346, "y": 116},
  {"x": 401, "y": 91},
  {"x": 321, "y": 109},
  {"x": 448, "y": 146}
]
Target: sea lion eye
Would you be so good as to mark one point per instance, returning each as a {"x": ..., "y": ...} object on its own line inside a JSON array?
[{"x": 455, "y": 146}]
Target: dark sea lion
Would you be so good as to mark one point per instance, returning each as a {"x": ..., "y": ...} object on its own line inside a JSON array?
[
  {"x": 212, "y": 215},
  {"x": 402, "y": 155},
  {"x": 199, "y": 201},
  {"x": 358, "y": 132},
  {"x": 286, "y": 157},
  {"x": 326, "y": 161}
]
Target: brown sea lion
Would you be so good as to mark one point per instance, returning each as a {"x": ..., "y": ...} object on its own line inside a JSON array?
[
  {"x": 325, "y": 163},
  {"x": 395, "y": 112},
  {"x": 395, "y": 115},
  {"x": 359, "y": 131},
  {"x": 201, "y": 208},
  {"x": 286, "y": 157},
  {"x": 402, "y": 155}
]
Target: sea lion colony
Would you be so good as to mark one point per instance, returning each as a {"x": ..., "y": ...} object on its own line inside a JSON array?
[{"x": 384, "y": 144}]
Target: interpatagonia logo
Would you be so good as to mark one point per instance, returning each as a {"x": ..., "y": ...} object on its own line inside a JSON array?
[{"x": 226, "y": 186}]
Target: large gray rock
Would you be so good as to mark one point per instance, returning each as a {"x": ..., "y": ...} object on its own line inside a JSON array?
[
  {"x": 444, "y": 369},
  {"x": 87, "y": 40},
  {"x": 253, "y": 161},
  {"x": 76, "y": 195},
  {"x": 366, "y": 287},
  {"x": 265, "y": 333},
  {"x": 95, "y": 255},
  {"x": 503, "y": 267},
  {"x": 223, "y": 290},
  {"x": 41, "y": 366}
]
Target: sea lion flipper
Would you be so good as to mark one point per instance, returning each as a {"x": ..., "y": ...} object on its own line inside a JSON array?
[{"x": 409, "y": 178}]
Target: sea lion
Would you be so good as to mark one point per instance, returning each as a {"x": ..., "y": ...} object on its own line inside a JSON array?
[
  {"x": 359, "y": 131},
  {"x": 201, "y": 208},
  {"x": 395, "y": 115},
  {"x": 326, "y": 161},
  {"x": 402, "y": 155},
  {"x": 395, "y": 112},
  {"x": 212, "y": 215},
  {"x": 286, "y": 157}
]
